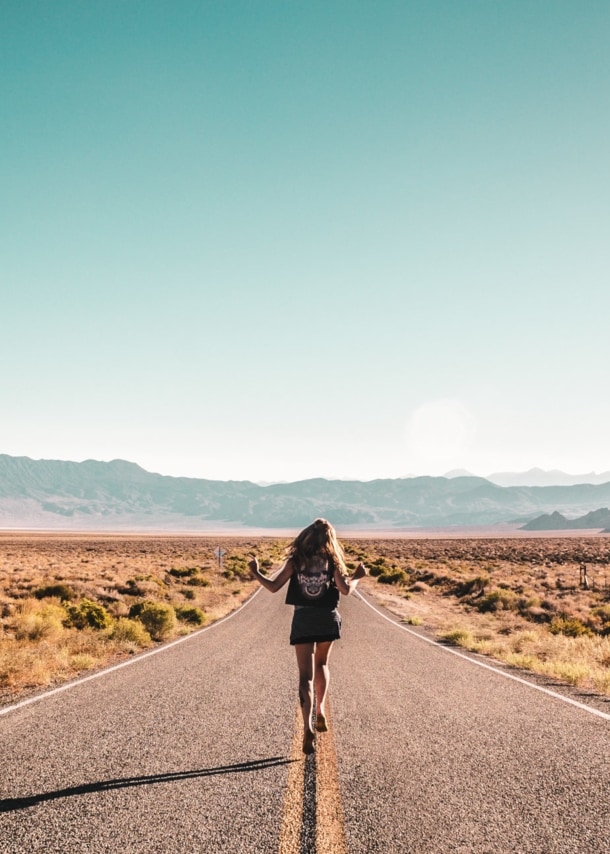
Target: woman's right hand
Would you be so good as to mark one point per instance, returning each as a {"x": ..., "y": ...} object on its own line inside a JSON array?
[
  {"x": 361, "y": 571},
  {"x": 253, "y": 567}
]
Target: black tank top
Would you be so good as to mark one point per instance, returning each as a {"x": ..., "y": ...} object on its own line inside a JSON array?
[{"x": 312, "y": 583}]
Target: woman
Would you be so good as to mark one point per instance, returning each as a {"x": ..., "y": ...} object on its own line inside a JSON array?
[{"x": 316, "y": 572}]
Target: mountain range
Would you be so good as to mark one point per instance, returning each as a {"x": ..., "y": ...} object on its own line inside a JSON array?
[
  {"x": 120, "y": 495},
  {"x": 537, "y": 477},
  {"x": 558, "y": 522}
]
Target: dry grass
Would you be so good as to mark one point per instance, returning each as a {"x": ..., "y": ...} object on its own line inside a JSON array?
[
  {"x": 517, "y": 600},
  {"x": 67, "y": 602},
  {"x": 71, "y": 603}
]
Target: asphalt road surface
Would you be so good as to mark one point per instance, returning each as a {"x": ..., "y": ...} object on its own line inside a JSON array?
[{"x": 197, "y": 749}]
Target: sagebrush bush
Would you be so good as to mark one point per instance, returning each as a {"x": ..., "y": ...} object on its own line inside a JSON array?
[
  {"x": 375, "y": 570},
  {"x": 125, "y": 630},
  {"x": 420, "y": 587},
  {"x": 83, "y": 661},
  {"x": 499, "y": 599},
  {"x": 602, "y": 612},
  {"x": 397, "y": 576},
  {"x": 190, "y": 614},
  {"x": 35, "y": 622},
  {"x": 184, "y": 571},
  {"x": 237, "y": 566},
  {"x": 158, "y": 618},
  {"x": 198, "y": 581},
  {"x": 459, "y": 637},
  {"x": 87, "y": 614},
  {"x": 472, "y": 586},
  {"x": 58, "y": 590},
  {"x": 570, "y": 626}
]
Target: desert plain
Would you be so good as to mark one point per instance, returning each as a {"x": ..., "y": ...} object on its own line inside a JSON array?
[{"x": 74, "y": 603}]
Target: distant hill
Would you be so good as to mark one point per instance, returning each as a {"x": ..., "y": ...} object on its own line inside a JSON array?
[
  {"x": 120, "y": 495},
  {"x": 539, "y": 477},
  {"x": 558, "y": 522}
]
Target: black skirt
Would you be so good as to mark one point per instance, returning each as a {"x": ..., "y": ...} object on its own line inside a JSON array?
[{"x": 315, "y": 625}]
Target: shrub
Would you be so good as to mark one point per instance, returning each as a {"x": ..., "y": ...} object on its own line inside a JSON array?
[
  {"x": 570, "y": 626},
  {"x": 131, "y": 588},
  {"x": 536, "y": 614},
  {"x": 130, "y": 631},
  {"x": 498, "y": 600},
  {"x": 473, "y": 586},
  {"x": 523, "y": 641},
  {"x": 184, "y": 572},
  {"x": 36, "y": 623},
  {"x": 572, "y": 672},
  {"x": 198, "y": 581},
  {"x": 158, "y": 618},
  {"x": 603, "y": 614},
  {"x": 413, "y": 621},
  {"x": 82, "y": 661},
  {"x": 522, "y": 660},
  {"x": 530, "y": 602},
  {"x": 375, "y": 570},
  {"x": 398, "y": 576},
  {"x": 189, "y": 614},
  {"x": 420, "y": 587},
  {"x": 236, "y": 565},
  {"x": 459, "y": 637},
  {"x": 56, "y": 591},
  {"x": 87, "y": 614}
]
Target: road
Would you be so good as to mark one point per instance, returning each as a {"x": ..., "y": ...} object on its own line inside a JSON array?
[{"x": 197, "y": 749}]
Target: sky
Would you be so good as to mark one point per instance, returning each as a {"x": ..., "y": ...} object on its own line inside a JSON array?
[{"x": 279, "y": 240}]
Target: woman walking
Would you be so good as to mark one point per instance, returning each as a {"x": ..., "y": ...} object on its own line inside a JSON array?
[{"x": 316, "y": 574}]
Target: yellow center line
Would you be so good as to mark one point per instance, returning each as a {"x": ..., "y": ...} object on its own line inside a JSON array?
[
  {"x": 290, "y": 834},
  {"x": 329, "y": 825}
]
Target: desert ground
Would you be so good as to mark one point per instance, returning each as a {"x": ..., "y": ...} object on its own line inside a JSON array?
[{"x": 71, "y": 603}]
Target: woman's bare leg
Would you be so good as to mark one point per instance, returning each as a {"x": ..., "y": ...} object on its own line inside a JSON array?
[
  {"x": 321, "y": 681},
  {"x": 305, "y": 652}
]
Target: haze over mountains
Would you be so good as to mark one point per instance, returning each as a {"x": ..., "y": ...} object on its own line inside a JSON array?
[
  {"x": 119, "y": 495},
  {"x": 537, "y": 477}
]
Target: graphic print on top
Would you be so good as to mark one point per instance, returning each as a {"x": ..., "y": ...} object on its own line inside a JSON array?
[{"x": 314, "y": 579}]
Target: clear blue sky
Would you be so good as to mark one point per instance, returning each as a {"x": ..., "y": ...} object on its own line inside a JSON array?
[{"x": 278, "y": 240}]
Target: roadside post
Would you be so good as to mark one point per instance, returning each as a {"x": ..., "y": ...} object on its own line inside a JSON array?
[{"x": 219, "y": 552}]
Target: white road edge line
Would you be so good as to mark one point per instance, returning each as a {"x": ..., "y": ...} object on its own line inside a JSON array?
[
  {"x": 548, "y": 691},
  {"x": 127, "y": 663}
]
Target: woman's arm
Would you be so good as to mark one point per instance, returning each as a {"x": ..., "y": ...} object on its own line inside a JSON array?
[
  {"x": 346, "y": 584},
  {"x": 278, "y": 580}
]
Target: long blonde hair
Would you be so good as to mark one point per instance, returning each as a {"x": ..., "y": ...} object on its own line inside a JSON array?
[{"x": 318, "y": 540}]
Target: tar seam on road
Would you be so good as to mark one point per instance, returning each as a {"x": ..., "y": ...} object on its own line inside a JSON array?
[
  {"x": 485, "y": 666},
  {"x": 127, "y": 663},
  {"x": 292, "y": 817},
  {"x": 330, "y": 827},
  {"x": 312, "y": 820}
]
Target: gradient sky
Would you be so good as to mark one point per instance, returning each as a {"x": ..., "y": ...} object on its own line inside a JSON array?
[{"x": 279, "y": 240}]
